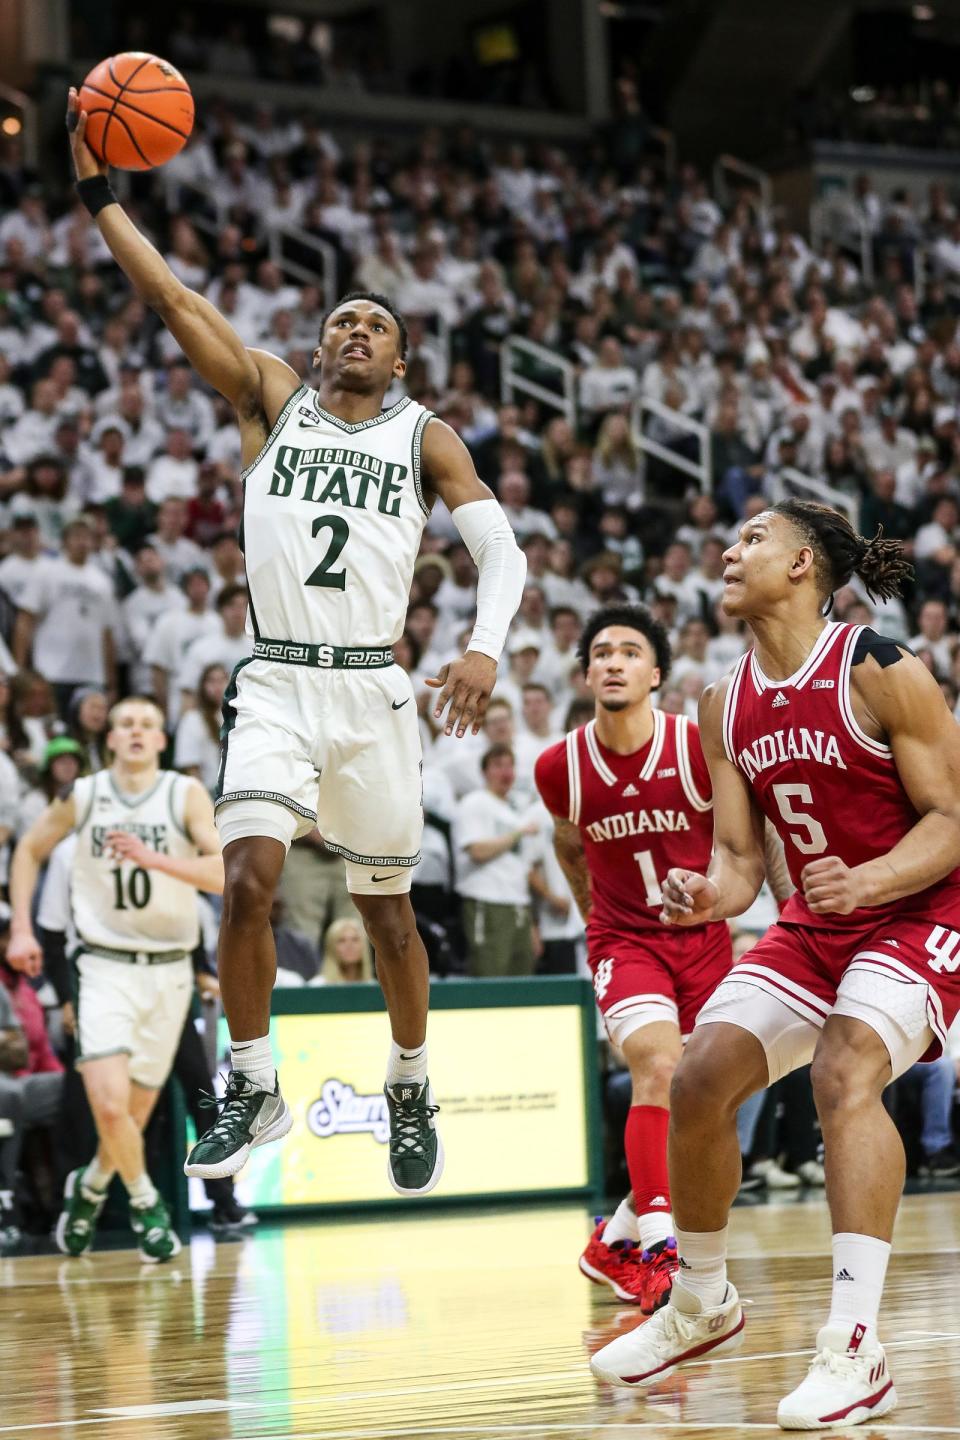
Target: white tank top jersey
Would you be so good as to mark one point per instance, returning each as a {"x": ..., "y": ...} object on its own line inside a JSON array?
[
  {"x": 332, "y": 519},
  {"x": 120, "y": 905}
]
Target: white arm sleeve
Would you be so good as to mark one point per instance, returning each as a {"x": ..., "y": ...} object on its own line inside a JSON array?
[{"x": 503, "y": 568}]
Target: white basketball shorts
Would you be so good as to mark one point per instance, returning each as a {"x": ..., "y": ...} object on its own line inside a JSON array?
[
  {"x": 336, "y": 749},
  {"x": 129, "y": 1009}
]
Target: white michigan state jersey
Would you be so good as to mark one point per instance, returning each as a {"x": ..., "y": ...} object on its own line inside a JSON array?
[
  {"x": 115, "y": 903},
  {"x": 332, "y": 519}
]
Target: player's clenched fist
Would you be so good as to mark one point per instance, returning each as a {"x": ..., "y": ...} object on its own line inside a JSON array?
[
  {"x": 24, "y": 953},
  {"x": 688, "y": 899},
  {"x": 830, "y": 887}
]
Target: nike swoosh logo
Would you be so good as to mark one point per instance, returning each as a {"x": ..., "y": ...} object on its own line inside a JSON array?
[
  {"x": 377, "y": 878},
  {"x": 396, "y": 706}
]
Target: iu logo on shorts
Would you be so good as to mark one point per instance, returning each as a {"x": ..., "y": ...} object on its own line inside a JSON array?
[{"x": 602, "y": 978}]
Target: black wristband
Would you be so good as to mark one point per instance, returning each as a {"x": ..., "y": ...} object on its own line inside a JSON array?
[{"x": 95, "y": 193}]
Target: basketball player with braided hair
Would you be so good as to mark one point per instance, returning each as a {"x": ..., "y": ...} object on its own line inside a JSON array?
[{"x": 842, "y": 739}]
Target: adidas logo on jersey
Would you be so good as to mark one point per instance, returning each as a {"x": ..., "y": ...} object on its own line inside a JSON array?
[
  {"x": 780, "y": 700},
  {"x": 630, "y": 790}
]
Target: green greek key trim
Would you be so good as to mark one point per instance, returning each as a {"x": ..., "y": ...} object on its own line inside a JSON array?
[
  {"x": 375, "y": 860},
  {"x": 297, "y": 395},
  {"x": 267, "y": 795},
  {"x": 415, "y": 448},
  {"x": 353, "y": 428}
]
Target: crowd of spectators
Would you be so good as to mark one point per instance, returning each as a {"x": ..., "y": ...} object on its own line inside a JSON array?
[{"x": 119, "y": 471}]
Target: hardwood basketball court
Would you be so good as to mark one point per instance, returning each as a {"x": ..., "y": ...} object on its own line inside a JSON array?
[{"x": 446, "y": 1325}]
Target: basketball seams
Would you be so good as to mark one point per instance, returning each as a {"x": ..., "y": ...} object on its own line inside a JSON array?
[
  {"x": 133, "y": 140},
  {"x": 144, "y": 114}
]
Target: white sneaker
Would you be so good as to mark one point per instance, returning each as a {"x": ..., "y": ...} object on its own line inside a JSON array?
[
  {"x": 811, "y": 1172},
  {"x": 680, "y": 1331},
  {"x": 848, "y": 1382},
  {"x": 773, "y": 1177}
]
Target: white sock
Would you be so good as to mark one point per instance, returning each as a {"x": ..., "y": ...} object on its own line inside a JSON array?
[
  {"x": 654, "y": 1226},
  {"x": 407, "y": 1064},
  {"x": 703, "y": 1264},
  {"x": 254, "y": 1059},
  {"x": 95, "y": 1177},
  {"x": 141, "y": 1191},
  {"x": 622, "y": 1224},
  {"x": 859, "y": 1270}
]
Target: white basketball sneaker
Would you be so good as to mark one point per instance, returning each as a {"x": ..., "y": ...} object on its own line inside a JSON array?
[
  {"x": 680, "y": 1331},
  {"x": 848, "y": 1382}
]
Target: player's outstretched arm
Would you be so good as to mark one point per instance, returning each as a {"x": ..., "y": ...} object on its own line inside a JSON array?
[
  {"x": 211, "y": 345},
  {"x": 205, "y": 871},
  {"x": 908, "y": 707},
  {"x": 736, "y": 871},
  {"x": 46, "y": 832},
  {"x": 467, "y": 684}
]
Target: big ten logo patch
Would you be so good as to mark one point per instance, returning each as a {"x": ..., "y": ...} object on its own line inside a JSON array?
[{"x": 602, "y": 978}]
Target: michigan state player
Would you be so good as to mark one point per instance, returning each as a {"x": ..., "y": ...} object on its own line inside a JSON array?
[
  {"x": 320, "y": 725},
  {"x": 146, "y": 842}
]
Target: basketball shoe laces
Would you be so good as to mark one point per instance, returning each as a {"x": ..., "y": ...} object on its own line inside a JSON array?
[
  {"x": 839, "y": 1364},
  {"x": 234, "y": 1122},
  {"x": 669, "y": 1330},
  {"x": 412, "y": 1127}
]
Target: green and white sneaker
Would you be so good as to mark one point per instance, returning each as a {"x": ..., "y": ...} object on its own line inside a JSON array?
[
  {"x": 158, "y": 1239},
  {"x": 249, "y": 1117},
  {"x": 77, "y": 1223},
  {"x": 415, "y": 1159}
]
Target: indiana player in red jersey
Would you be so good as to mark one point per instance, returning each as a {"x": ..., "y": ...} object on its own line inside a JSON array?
[
  {"x": 630, "y": 796},
  {"x": 843, "y": 740}
]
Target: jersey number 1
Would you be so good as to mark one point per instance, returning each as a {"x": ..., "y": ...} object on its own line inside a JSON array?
[
  {"x": 339, "y": 534},
  {"x": 644, "y": 859},
  {"x": 138, "y": 889}
]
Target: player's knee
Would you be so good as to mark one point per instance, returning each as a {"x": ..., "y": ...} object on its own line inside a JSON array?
[
  {"x": 652, "y": 1075},
  {"x": 110, "y": 1110},
  {"x": 839, "y": 1082},
  {"x": 247, "y": 895},
  {"x": 390, "y": 926},
  {"x": 704, "y": 1086}
]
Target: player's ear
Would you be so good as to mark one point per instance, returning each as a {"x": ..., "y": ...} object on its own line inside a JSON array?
[
  {"x": 655, "y": 678},
  {"x": 802, "y": 563},
  {"x": 316, "y": 357},
  {"x": 399, "y": 368}
]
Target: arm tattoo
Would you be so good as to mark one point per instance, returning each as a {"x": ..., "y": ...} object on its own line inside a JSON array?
[{"x": 568, "y": 846}]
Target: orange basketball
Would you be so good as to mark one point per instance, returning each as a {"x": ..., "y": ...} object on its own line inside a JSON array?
[{"x": 139, "y": 111}]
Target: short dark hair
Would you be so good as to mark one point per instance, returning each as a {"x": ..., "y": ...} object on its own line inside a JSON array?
[
  {"x": 633, "y": 617},
  {"x": 535, "y": 685},
  {"x": 228, "y": 593},
  {"x": 377, "y": 299},
  {"x": 496, "y": 752}
]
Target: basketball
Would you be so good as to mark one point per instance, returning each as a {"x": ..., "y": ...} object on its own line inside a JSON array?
[{"x": 139, "y": 111}]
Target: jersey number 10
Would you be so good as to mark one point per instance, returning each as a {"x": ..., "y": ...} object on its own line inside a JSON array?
[{"x": 137, "y": 889}]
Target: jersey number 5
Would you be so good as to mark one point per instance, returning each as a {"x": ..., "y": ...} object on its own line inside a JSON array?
[
  {"x": 813, "y": 842},
  {"x": 324, "y": 576}
]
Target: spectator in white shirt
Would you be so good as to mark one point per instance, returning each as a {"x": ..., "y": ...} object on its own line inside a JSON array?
[
  {"x": 385, "y": 270},
  {"x": 197, "y": 746},
  {"x": 537, "y": 730},
  {"x": 66, "y": 619},
  {"x": 144, "y": 435},
  {"x": 933, "y": 635},
  {"x": 26, "y": 230},
  {"x": 32, "y": 433},
  {"x": 178, "y": 553},
  {"x": 677, "y": 578},
  {"x": 25, "y": 560},
  {"x": 494, "y": 859},
  {"x": 936, "y": 541},
  {"x": 172, "y": 636},
  {"x": 142, "y": 610},
  {"x": 107, "y": 462},
  {"x": 173, "y": 475},
  {"x": 183, "y": 407},
  {"x": 946, "y": 252},
  {"x": 45, "y": 496},
  {"x": 226, "y": 646},
  {"x": 609, "y": 383},
  {"x": 513, "y": 489},
  {"x": 425, "y": 293}
]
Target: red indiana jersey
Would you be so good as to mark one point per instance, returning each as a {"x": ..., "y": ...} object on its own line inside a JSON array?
[
  {"x": 639, "y": 815},
  {"x": 828, "y": 788}
]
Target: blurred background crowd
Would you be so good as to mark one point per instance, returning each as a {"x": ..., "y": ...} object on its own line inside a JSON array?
[{"x": 637, "y": 360}]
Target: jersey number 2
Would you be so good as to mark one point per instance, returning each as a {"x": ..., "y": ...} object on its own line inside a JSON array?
[{"x": 339, "y": 534}]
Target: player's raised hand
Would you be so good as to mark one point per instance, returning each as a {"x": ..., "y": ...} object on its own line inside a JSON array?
[
  {"x": 85, "y": 163},
  {"x": 467, "y": 685},
  {"x": 24, "y": 953},
  {"x": 830, "y": 887},
  {"x": 688, "y": 899}
]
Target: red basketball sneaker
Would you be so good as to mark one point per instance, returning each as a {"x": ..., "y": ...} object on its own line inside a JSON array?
[
  {"x": 617, "y": 1265},
  {"x": 658, "y": 1265}
]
